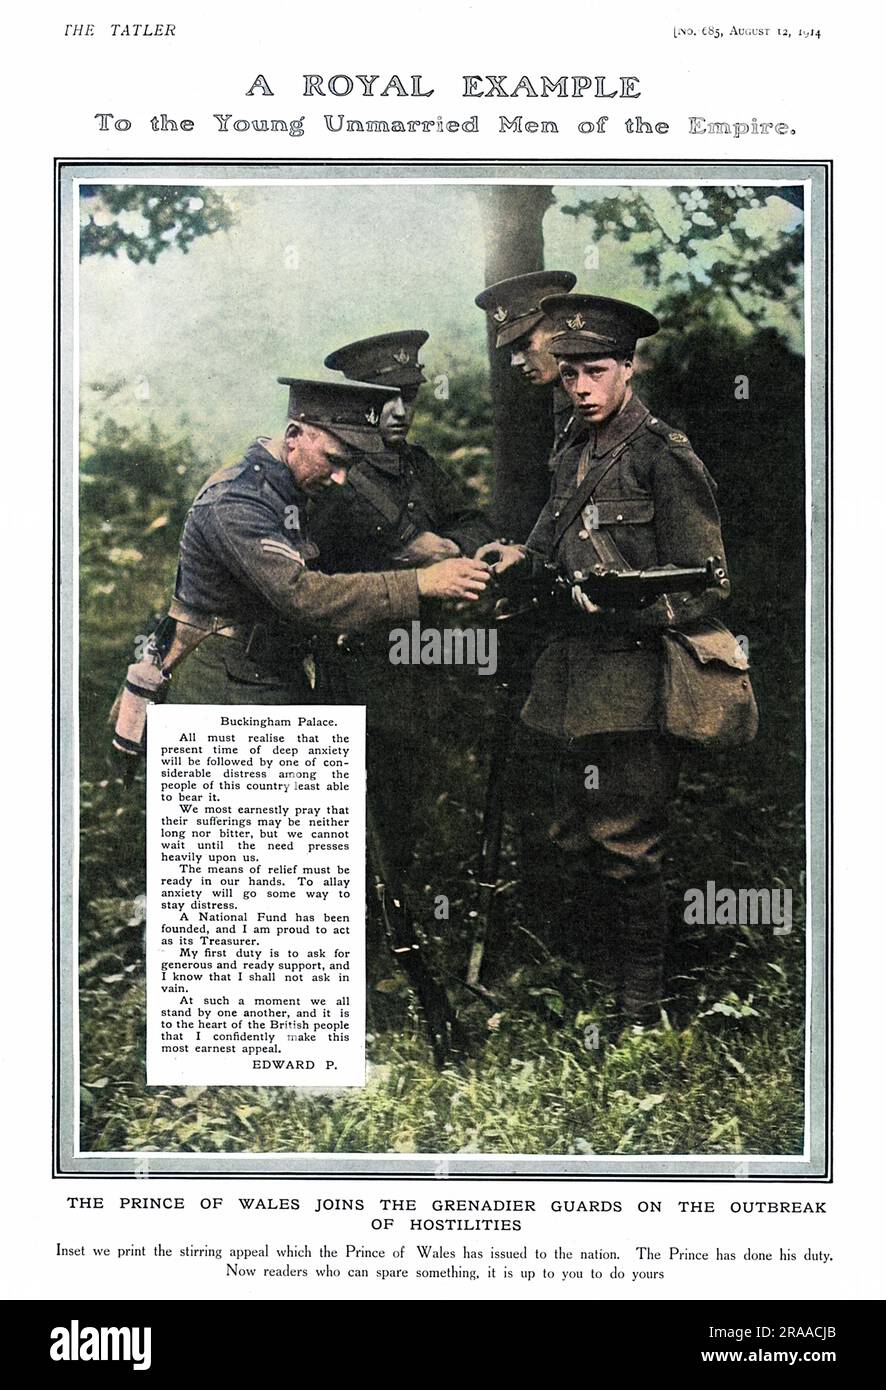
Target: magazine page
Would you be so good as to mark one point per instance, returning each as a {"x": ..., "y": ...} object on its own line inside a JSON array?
[{"x": 426, "y": 881}]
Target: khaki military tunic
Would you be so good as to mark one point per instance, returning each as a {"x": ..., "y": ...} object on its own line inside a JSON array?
[
  {"x": 645, "y": 489},
  {"x": 595, "y": 686},
  {"x": 246, "y": 575},
  {"x": 386, "y": 502},
  {"x": 368, "y": 524}
]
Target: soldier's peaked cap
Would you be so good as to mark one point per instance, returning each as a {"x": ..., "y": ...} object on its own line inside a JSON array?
[
  {"x": 350, "y": 412},
  {"x": 389, "y": 359},
  {"x": 514, "y": 306},
  {"x": 587, "y": 325}
]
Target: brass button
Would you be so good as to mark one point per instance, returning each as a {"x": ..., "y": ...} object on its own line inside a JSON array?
[
  {"x": 410, "y": 506},
  {"x": 620, "y": 517},
  {"x": 583, "y": 535},
  {"x": 556, "y": 513},
  {"x": 578, "y": 574}
]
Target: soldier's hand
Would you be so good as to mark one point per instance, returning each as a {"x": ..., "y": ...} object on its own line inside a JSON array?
[
  {"x": 454, "y": 579},
  {"x": 428, "y": 547},
  {"x": 501, "y": 556},
  {"x": 581, "y": 600}
]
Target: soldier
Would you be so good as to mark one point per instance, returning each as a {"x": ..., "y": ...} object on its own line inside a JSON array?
[
  {"x": 247, "y": 584},
  {"x": 633, "y": 495},
  {"x": 522, "y": 329},
  {"x": 514, "y": 310},
  {"x": 398, "y": 507}
]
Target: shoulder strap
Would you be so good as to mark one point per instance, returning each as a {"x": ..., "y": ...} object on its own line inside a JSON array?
[
  {"x": 376, "y": 496},
  {"x": 222, "y": 475},
  {"x": 584, "y": 493}
]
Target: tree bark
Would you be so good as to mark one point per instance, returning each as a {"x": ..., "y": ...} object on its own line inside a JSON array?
[{"x": 521, "y": 415}]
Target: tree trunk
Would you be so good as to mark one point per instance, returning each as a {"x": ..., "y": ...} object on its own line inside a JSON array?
[{"x": 521, "y": 414}]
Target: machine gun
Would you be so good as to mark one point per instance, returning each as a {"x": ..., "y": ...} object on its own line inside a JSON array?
[
  {"x": 548, "y": 591},
  {"x": 518, "y": 619},
  {"x": 489, "y": 858}
]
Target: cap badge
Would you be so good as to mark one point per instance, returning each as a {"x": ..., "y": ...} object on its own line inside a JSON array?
[
  {"x": 402, "y": 357},
  {"x": 372, "y": 416},
  {"x": 500, "y": 314},
  {"x": 576, "y": 323}
]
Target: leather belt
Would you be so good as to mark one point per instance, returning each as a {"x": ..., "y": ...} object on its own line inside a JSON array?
[
  {"x": 256, "y": 638},
  {"x": 603, "y": 639},
  {"x": 210, "y": 623}
]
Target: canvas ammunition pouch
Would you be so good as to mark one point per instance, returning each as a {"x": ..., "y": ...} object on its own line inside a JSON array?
[{"x": 706, "y": 695}]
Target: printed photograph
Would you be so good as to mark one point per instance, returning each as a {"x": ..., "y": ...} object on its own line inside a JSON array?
[{"x": 523, "y": 465}]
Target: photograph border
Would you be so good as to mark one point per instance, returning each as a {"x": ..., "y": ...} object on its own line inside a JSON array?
[{"x": 816, "y": 1164}]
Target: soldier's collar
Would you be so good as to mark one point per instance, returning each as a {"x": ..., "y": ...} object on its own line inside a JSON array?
[
  {"x": 277, "y": 474},
  {"x": 619, "y": 428},
  {"x": 265, "y": 448},
  {"x": 390, "y": 462}
]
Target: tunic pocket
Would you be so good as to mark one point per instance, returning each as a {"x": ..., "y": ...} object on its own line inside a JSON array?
[{"x": 624, "y": 511}]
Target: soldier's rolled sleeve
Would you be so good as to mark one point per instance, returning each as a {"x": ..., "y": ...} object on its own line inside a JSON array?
[
  {"x": 402, "y": 592},
  {"x": 247, "y": 537}
]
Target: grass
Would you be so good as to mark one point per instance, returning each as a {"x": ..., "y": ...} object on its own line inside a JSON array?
[{"x": 724, "y": 1075}]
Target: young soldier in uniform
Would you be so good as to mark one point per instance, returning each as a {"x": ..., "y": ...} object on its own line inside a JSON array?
[
  {"x": 398, "y": 507},
  {"x": 514, "y": 309},
  {"x": 523, "y": 330},
  {"x": 633, "y": 495},
  {"x": 247, "y": 583}
]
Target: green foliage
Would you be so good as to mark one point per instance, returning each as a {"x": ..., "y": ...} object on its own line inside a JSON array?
[
  {"x": 135, "y": 488},
  {"x": 456, "y": 427},
  {"x": 143, "y": 221},
  {"x": 704, "y": 251},
  {"x": 136, "y": 479},
  {"x": 726, "y": 1075}
]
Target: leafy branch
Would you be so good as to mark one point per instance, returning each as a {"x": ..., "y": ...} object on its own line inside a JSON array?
[
  {"x": 143, "y": 221},
  {"x": 702, "y": 249}
]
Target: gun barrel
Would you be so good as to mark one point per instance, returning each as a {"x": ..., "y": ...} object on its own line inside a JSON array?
[{"x": 633, "y": 588}]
